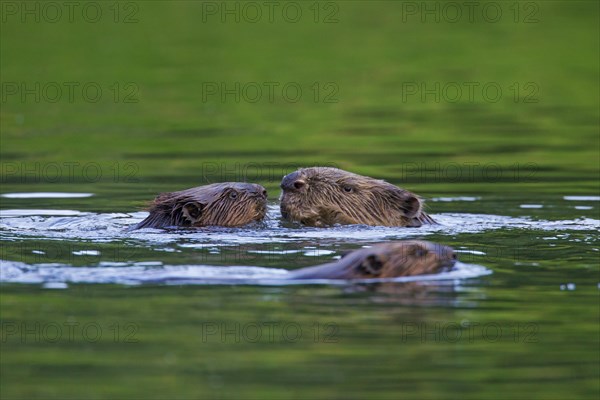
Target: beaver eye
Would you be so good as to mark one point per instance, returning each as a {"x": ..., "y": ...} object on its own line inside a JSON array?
[
  {"x": 298, "y": 184},
  {"x": 420, "y": 252},
  {"x": 233, "y": 195},
  {"x": 348, "y": 189}
]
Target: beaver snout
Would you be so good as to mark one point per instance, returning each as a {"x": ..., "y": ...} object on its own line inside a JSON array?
[
  {"x": 258, "y": 191},
  {"x": 292, "y": 182},
  {"x": 262, "y": 192},
  {"x": 446, "y": 255}
]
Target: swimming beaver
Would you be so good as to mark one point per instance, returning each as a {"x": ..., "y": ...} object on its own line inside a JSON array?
[
  {"x": 222, "y": 204},
  {"x": 384, "y": 260},
  {"x": 320, "y": 196}
]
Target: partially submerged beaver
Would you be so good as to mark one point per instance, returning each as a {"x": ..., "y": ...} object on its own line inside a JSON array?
[
  {"x": 321, "y": 196},
  {"x": 221, "y": 204},
  {"x": 385, "y": 260}
]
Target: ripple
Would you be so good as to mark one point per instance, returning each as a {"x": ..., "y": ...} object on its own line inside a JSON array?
[
  {"x": 582, "y": 198},
  {"x": 46, "y": 195},
  {"x": 451, "y": 199},
  {"x": 531, "y": 206},
  {"x": 33, "y": 212}
]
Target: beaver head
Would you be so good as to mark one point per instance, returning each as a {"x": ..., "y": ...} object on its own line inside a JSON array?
[
  {"x": 385, "y": 260},
  {"x": 322, "y": 196},
  {"x": 221, "y": 204}
]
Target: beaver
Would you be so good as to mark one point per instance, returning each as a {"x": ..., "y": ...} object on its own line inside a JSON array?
[
  {"x": 220, "y": 204},
  {"x": 384, "y": 260},
  {"x": 321, "y": 196}
]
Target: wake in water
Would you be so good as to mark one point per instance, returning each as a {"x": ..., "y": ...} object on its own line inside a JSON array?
[
  {"x": 59, "y": 275},
  {"x": 106, "y": 227}
]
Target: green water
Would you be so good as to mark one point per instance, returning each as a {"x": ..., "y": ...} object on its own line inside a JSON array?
[{"x": 529, "y": 330}]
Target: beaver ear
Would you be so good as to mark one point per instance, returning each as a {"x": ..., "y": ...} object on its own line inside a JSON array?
[
  {"x": 411, "y": 205},
  {"x": 192, "y": 211},
  {"x": 372, "y": 265}
]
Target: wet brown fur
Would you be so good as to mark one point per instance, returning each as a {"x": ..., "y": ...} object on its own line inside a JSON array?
[
  {"x": 385, "y": 260},
  {"x": 219, "y": 204},
  {"x": 329, "y": 196}
]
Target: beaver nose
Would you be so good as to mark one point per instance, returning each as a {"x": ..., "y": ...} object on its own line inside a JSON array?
[
  {"x": 292, "y": 181},
  {"x": 260, "y": 191},
  {"x": 445, "y": 253}
]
